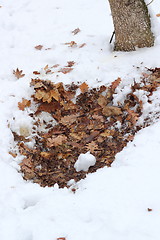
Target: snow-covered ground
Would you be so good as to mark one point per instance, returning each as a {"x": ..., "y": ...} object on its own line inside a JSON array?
[{"x": 122, "y": 202}]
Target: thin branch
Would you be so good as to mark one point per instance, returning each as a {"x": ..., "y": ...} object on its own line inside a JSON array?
[{"x": 149, "y": 3}]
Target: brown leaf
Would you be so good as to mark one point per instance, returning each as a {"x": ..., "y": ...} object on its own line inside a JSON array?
[
  {"x": 67, "y": 120},
  {"x": 70, "y": 64},
  {"x": 38, "y": 47},
  {"x": 92, "y": 146},
  {"x": 84, "y": 87},
  {"x": 107, "y": 133},
  {"x": 102, "y": 101},
  {"x": 132, "y": 116},
  {"x": 75, "y": 31},
  {"x": 158, "y": 15},
  {"x": 71, "y": 44},
  {"x": 111, "y": 111},
  {"x": 25, "y": 103},
  {"x": 115, "y": 84},
  {"x": 47, "y": 96},
  {"x": 36, "y": 72},
  {"x": 45, "y": 154},
  {"x": 65, "y": 70},
  {"x": 18, "y": 73},
  {"x": 55, "y": 66},
  {"x": 149, "y": 209},
  {"x": 98, "y": 118},
  {"x": 56, "y": 140},
  {"x": 61, "y": 238}
]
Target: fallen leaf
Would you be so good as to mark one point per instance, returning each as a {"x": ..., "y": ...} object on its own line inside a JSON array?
[
  {"x": 115, "y": 84},
  {"x": 75, "y": 31},
  {"x": 66, "y": 120},
  {"x": 65, "y": 70},
  {"x": 45, "y": 154},
  {"x": 70, "y": 64},
  {"x": 107, "y": 133},
  {"x": 18, "y": 73},
  {"x": 71, "y": 44},
  {"x": 47, "y": 96},
  {"x": 38, "y": 47},
  {"x": 56, "y": 140},
  {"x": 132, "y": 116},
  {"x": 55, "y": 66},
  {"x": 111, "y": 111},
  {"x": 102, "y": 101},
  {"x": 36, "y": 72},
  {"x": 158, "y": 15},
  {"x": 149, "y": 209},
  {"x": 61, "y": 238},
  {"x": 25, "y": 103},
  {"x": 92, "y": 146},
  {"x": 84, "y": 87}
]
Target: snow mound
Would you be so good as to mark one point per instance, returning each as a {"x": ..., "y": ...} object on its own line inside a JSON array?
[{"x": 84, "y": 162}]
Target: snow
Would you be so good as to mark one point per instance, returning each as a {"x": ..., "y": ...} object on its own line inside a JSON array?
[
  {"x": 84, "y": 161},
  {"x": 113, "y": 202}
]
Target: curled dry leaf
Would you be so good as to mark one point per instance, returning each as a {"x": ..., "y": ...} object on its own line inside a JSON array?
[
  {"x": 111, "y": 111},
  {"x": 75, "y": 31},
  {"x": 158, "y": 15},
  {"x": 25, "y": 103},
  {"x": 71, "y": 44},
  {"x": 115, "y": 84},
  {"x": 36, "y": 72},
  {"x": 18, "y": 73},
  {"x": 38, "y": 47},
  {"x": 70, "y": 64}
]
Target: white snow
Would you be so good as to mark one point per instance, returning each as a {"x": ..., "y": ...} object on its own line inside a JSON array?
[
  {"x": 84, "y": 161},
  {"x": 113, "y": 202}
]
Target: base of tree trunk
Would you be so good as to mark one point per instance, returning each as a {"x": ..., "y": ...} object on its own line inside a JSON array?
[{"x": 132, "y": 25}]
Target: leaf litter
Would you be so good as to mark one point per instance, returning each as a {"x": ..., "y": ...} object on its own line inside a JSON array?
[{"x": 87, "y": 122}]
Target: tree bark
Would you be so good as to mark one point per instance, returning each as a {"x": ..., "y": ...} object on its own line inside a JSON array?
[{"x": 132, "y": 25}]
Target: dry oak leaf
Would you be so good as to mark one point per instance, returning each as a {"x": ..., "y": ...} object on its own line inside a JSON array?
[
  {"x": 92, "y": 146},
  {"x": 102, "y": 101},
  {"x": 67, "y": 120},
  {"x": 115, "y": 84},
  {"x": 18, "y": 73},
  {"x": 70, "y": 63},
  {"x": 25, "y": 103},
  {"x": 84, "y": 87},
  {"x": 61, "y": 238},
  {"x": 56, "y": 140},
  {"x": 107, "y": 133},
  {"x": 132, "y": 116},
  {"x": 98, "y": 118},
  {"x": 47, "y": 96},
  {"x": 75, "y": 31},
  {"x": 111, "y": 111},
  {"x": 71, "y": 44},
  {"x": 45, "y": 154},
  {"x": 36, "y": 72},
  {"x": 65, "y": 70},
  {"x": 38, "y": 47},
  {"x": 158, "y": 15}
]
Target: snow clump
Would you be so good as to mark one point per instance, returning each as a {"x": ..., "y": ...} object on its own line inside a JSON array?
[{"x": 84, "y": 161}]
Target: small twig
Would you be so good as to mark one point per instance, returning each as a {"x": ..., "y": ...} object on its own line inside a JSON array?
[
  {"x": 112, "y": 37},
  {"x": 149, "y": 3}
]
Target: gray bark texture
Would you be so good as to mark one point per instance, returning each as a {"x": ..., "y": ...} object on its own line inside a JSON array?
[{"x": 132, "y": 25}]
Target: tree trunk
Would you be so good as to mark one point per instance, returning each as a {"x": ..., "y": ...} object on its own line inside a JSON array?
[{"x": 132, "y": 25}]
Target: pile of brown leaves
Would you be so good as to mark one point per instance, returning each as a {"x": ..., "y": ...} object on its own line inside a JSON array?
[{"x": 88, "y": 122}]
